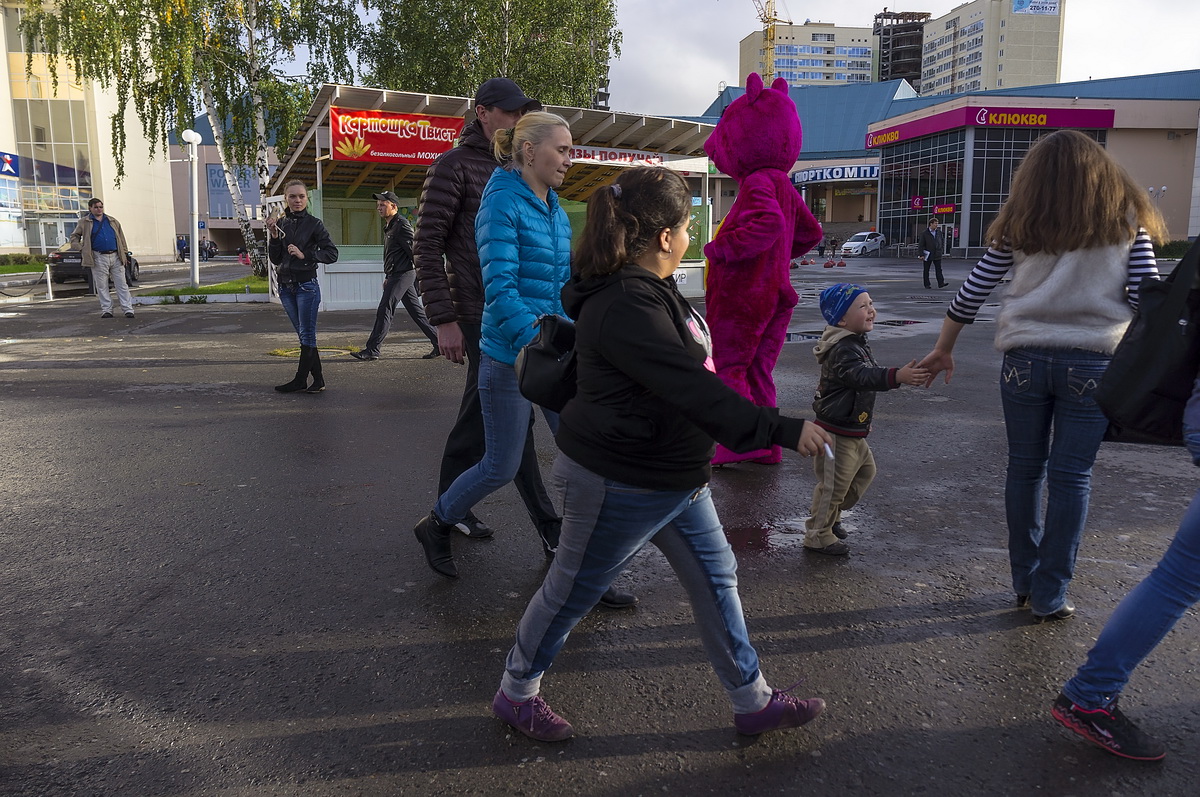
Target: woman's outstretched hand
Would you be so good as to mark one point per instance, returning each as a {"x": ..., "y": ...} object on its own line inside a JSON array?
[
  {"x": 934, "y": 363},
  {"x": 813, "y": 439}
]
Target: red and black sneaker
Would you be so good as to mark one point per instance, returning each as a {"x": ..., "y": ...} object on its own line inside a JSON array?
[{"x": 1108, "y": 728}]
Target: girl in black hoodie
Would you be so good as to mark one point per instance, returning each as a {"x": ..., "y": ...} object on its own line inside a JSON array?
[{"x": 636, "y": 444}]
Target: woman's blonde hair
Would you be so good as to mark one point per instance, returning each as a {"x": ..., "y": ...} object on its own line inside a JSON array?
[
  {"x": 1068, "y": 194},
  {"x": 508, "y": 143}
]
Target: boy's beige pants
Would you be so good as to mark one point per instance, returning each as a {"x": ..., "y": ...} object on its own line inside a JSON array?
[{"x": 838, "y": 487}]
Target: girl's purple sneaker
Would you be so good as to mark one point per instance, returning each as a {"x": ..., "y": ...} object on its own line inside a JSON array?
[
  {"x": 532, "y": 717},
  {"x": 783, "y": 711}
]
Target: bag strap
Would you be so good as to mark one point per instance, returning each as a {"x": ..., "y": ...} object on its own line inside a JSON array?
[{"x": 1182, "y": 279}]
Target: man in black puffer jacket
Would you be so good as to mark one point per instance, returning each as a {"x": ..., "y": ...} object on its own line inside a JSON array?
[{"x": 451, "y": 283}]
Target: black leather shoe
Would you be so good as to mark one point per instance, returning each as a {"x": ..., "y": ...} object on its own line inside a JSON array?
[
  {"x": 943, "y": 284},
  {"x": 1065, "y": 613},
  {"x": 364, "y": 355},
  {"x": 615, "y": 599},
  {"x": 436, "y": 352},
  {"x": 434, "y": 537},
  {"x": 839, "y": 531},
  {"x": 106, "y": 315},
  {"x": 1022, "y": 601},
  {"x": 928, "y": 287}
]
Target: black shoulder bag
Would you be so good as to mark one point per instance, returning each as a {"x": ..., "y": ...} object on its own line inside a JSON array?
[
  {"x": 1153, "y": 370},
  {"x": 546, "y": 365}
]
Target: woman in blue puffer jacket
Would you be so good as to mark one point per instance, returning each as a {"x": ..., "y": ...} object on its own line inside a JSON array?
[{"x": 524, "y": 241}]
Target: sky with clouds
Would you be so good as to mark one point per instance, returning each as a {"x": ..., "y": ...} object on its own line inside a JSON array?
[{"x": 676, "y": 53}]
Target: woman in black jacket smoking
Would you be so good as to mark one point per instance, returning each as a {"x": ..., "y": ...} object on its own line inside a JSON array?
[
  {"x": 297, "y": 243},
  {"x": 636, "y": 444}
]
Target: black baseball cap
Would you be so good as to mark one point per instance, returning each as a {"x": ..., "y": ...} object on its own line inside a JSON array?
[
  {"x": 502, "y": 93},
  {"x": 388, "y": 196}
]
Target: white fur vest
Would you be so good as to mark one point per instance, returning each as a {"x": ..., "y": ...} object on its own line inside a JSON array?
[{"x": 1076, "y": 300}]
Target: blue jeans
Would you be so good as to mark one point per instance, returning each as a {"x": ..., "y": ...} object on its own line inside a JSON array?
[
  {"x": 505, "y": 426},
  {"x": 301, "y": 302},
  {"x": 605, "y": 523},
  {"x": 1142, "y": 619},
  {"x": 1044, "y": 390}
]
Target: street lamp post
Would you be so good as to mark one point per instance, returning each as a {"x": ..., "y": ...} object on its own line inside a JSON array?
[{"x": 192, "y": 139}]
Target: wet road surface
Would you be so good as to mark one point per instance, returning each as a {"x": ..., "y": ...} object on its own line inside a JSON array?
[{"x": 212, "y": 588}]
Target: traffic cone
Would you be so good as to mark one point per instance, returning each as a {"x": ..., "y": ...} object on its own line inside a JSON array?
[
  {"x": 841, "y": 264},
  {"x": 829, "y": 264}
]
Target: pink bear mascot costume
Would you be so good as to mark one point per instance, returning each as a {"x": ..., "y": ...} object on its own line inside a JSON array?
[{"x": 749, "y": 296}]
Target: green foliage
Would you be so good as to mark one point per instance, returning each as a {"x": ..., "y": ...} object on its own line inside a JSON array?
[
  {"x": 168, "y": 58},
  {"x": 556, "y": 51},
  {"x": 9, "y": 262},
  {"x": 1173, "y": 250}
]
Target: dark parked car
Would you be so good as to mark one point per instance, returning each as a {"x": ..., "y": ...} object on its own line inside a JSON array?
[{"x": 67, "y": 264}]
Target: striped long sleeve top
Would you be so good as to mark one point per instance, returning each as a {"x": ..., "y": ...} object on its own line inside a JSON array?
[{"x": 996, "y": 263}]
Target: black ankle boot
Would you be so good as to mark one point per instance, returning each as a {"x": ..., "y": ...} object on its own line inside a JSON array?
[
  {"x": 314, "y": 365},
  {"x": 300, "y": 381},
  {"x": 434, "y": 536}
]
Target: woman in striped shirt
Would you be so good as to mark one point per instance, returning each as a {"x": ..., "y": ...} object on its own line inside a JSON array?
[{"x": 1074, "y": 240}]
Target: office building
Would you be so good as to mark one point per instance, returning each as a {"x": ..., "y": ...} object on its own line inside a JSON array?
[
  {"x": 993, "y": 44},
  {"x": 814, "y": 53},
  {"x": 56, "y": 153}
]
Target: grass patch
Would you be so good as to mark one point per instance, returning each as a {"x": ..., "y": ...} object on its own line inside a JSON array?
[
  {"x": 29, "y": 268},
  {"x": 256, "y": 285}
]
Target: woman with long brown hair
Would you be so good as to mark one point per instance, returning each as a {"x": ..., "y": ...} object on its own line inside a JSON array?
[{"x": 1075, "y": 240}]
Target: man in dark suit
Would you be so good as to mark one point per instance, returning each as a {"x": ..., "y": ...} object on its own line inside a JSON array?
[
  {"x": 933, "y": 244},
  {"x": 399, "y": 283}
]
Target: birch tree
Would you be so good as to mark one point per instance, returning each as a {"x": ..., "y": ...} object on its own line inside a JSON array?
[
  {"x": 556, "y": 50},
  {"x": 250, "y": 65}
]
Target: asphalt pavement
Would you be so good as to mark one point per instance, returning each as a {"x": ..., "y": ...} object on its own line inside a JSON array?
[{"x": 210, "y": 588}]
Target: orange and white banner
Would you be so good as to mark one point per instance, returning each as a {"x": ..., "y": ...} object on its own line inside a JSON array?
[{"x": 385, "y": 137}]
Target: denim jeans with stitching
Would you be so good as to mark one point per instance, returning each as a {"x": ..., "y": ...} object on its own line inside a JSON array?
[
  {"x": 300, "y": 301},
  {"x": 505, "y": 427},
  {"x": 1144, "y": 617},
  {"x": 605, "y": 524},
  {"x": 1054, "y": 430}
]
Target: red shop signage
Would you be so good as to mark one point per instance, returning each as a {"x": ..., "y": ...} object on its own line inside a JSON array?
[{"x": 383, "y": 137}]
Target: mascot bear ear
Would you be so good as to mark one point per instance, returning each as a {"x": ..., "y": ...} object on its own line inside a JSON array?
[
  {"x": 780, "y": 85},
  {"x": 754, "y": 85}
]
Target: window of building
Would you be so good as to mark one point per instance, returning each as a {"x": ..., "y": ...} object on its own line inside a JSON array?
[
  {"x": 823, "y": 37},
  {"x": 52, "y": 144}
]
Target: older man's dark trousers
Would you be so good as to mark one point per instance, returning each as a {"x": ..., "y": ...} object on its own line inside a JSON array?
[
  {"x": 398, "y": 289},
  {"x": 465, "y": 444}
]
